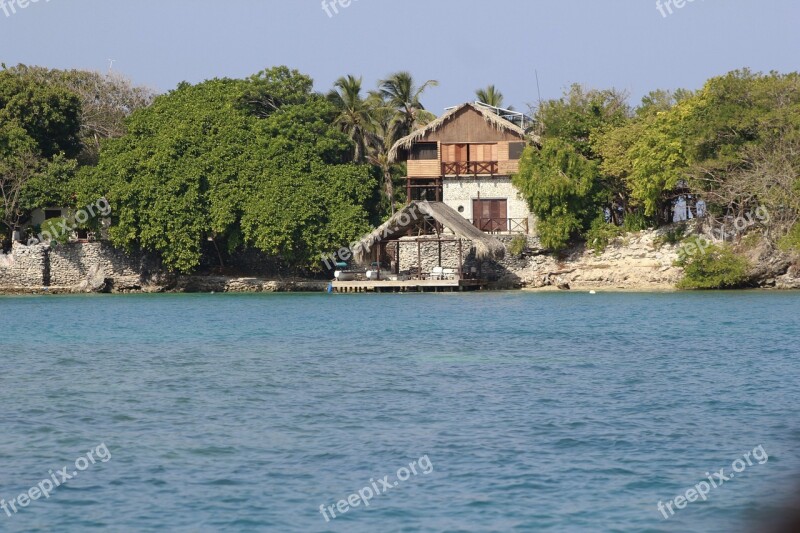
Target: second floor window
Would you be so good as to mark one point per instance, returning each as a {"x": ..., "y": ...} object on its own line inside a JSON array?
[
  {"x": 462, "y": 153},
  {"x": 515, "y": 150},
  {"x": 424, "y": 152}
]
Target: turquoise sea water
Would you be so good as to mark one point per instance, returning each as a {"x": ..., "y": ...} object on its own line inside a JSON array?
[{"x": 537, "y": 412}]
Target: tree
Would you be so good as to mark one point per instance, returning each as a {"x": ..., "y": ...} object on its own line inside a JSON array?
[
  {"x": 391, "y": 174},
  {"x": 401, "y": 94},
  {"x": 37, "y": 124},
  {"x": 243, "y": 163},
  {"x": 646, "y": 155},
  {"x": 490, "y": 95},
  {"x": 734, "y": 142},
  {"x": 19, "y": 162},
  {"x": 579, "y": 112},
  {"x": 106, "y": 101},
  {"x": 559, "y": 184},
  {"x": 562, "y": 180},
  {"x": 355, "y": 115},
  {"x": 49, "y": 115}
]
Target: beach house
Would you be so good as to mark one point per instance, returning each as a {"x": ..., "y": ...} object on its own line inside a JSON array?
[
  {"x": 465, "y": 159},
  {"x": 462, "y": 206}
]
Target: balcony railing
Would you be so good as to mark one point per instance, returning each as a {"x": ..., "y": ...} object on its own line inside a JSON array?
[
  {"x": 502, "y": 225},
  {"x": 470, "y": 168}
]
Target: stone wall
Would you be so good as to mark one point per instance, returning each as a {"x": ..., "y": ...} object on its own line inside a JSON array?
[
  {"x": 75, "y": 266},
  {"x": 92, "y": 263},
  {"x": 24, "y": 267},
  {"x": 429, "y": 250}
]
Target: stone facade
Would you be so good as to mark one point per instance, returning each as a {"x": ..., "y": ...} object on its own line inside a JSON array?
[
  {"x": 459, "y": 193},
  {"x": 429, "y": 249},
  {"x": 429, "y": 252}
]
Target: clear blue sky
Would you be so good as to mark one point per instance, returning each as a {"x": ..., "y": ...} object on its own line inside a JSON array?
[{"x": 465, "y": 44}]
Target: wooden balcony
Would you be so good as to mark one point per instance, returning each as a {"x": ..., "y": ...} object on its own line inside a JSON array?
[
  {"x": 470, "y": 168},
  {"x": 502, "y": 225}
]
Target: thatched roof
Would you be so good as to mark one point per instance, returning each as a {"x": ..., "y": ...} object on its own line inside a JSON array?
[
  {"x": 493, "y": 119},
  {"x": 412, "y": 216}
]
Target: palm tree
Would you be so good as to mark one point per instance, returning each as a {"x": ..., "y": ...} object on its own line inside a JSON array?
[
  {"x": 380, "y": 159},
  {"x": 354, "y": 117},
  {"x": 378, "y": 152},
  {"x": 401, "y": 94},
  {"x": 490, "y": 95}
]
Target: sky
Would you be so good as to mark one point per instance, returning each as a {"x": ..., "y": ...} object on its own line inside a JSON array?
[{"x": 464, "y": 44}]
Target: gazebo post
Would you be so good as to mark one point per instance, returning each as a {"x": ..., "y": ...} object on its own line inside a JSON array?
[{"x": 460, "y": 259}]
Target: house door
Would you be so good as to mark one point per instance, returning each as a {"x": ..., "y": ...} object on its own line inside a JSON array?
[{"x": 490, "y": 215}]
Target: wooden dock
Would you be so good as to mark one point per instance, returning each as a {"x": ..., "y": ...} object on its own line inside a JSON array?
[{"x": 426, "y": 285}]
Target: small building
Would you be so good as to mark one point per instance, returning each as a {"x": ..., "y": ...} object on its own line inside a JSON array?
[
  {"x": 465, "y": 159},
  {"x": 424, "y": 246}
]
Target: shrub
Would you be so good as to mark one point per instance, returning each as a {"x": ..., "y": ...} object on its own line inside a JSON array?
[
  {"x": 54, "y": 228},
  {"x": 636, "y": 222},
  {"x": 674, "y": 235},
  {"x": 713, "y": 267},
  {"x": 518, "y": 245},
  {"x": 791, "y": 241},
  {"x": 600, "y": 234}
]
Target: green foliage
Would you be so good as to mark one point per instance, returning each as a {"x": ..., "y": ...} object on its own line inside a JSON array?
[
  {"x": 579, "y": 112},
  {"x": 106, "y": 100},
  {"x": 713, "y": 267},
  {"x": 37, "y": 123},
  {"x": 559, "y": 185},
  {"x": 601, "y": 234},
  {"x": 733, "y": 137},
  {"x": 636, "y": 221},
  {"x": 53, "y": 230},
  {"x": 518, "y": 245},
  {"x": 490, "y": 95},
  {"x": 400, "y": 93},
  {"x": 791, "y": 241},
  {"x": 647, "y": 153},
  {"x": 253, "y": 162},
  {"x": 674, "y": 235},
  {"x": 53, "y": 186},
  {"x": 49, "y": 115},
  {"x": 355, "y": 115}
]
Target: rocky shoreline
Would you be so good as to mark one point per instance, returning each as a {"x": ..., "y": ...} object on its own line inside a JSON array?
[{"x": 638, "y": 262}]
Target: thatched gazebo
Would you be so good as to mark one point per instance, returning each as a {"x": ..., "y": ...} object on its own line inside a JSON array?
[{"x": 425, "y": 234}]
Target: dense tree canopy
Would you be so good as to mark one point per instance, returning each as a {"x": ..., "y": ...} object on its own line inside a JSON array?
[
  {"x": 265, "y": 162},
  {"x": 562, "y": 179},
  {"x": 38, "y": 123},
  {"x": 105, "y": 99},
  {"x": 252, "y": 162},
  {"x": 734, "y": 143}
]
